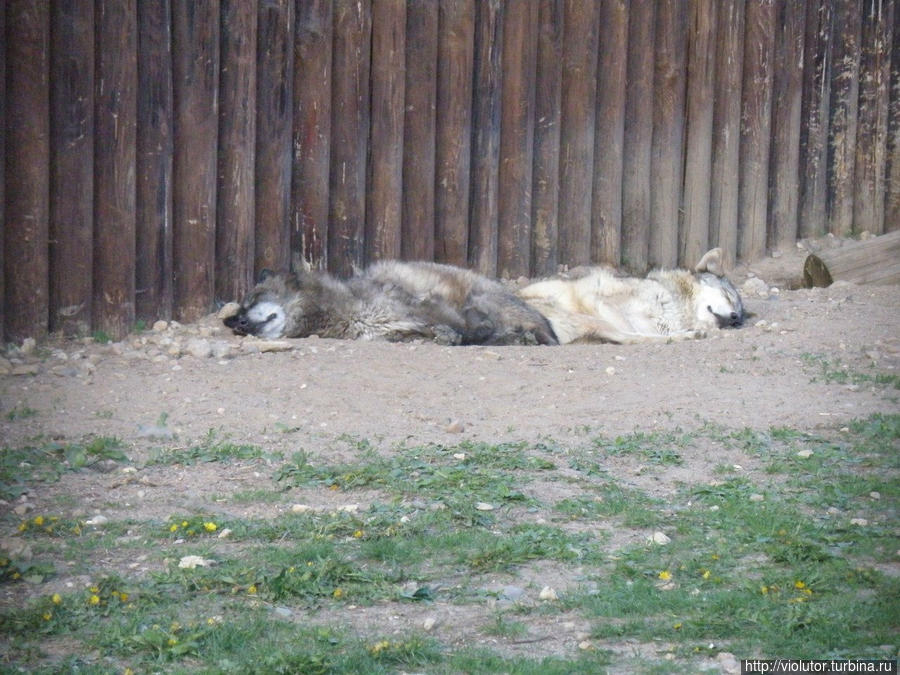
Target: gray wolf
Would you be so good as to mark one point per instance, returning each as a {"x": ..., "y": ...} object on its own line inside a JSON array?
[
  {"x": 595, "y": 305},
  {"x": 394, "y": 301}
]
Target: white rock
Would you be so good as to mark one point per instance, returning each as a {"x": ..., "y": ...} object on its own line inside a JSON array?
[
  {"x": 199, "y": 348},
  {"x": 755, "y": 497},
  {"x": 301, "y": 508},
  {"x": 660, "y": 538},
  {"x": 190, "y": 562},
  {"x": 97, "y": 520},
  {"x": 484, "y": 506},
  {"x": 160, "y": 326},
  {"x": 429, "y": 623},
  {"x": 548, "y": 593},
  {"x": 862, "y": 522},
  {"x": 806, "y": 452}
]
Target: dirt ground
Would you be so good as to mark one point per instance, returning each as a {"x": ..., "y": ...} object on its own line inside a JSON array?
[{"x": 172, "y": 385}]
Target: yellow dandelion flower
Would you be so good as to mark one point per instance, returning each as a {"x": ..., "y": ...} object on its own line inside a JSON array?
[
  {"x": 184, "y": 523},
  {"x": 358, "y": 534},
  {"x": 379, "y": 646},
  {"x": 706, "y": 574},
  {"x": 173, "y": 641},
  {"x": 677, "y": 626},
  {"x": 799, "y": 584},
  {"x": 16, "y": 575},
  {"x": 764, "y": 590},
  {"x": 210, "y": 527},
  {"x": 39, "y": 520},
  {"x": 334, "y": 487},
  {"x": 123, "y": 597},
  {"x": 338, "y": 593},
  {"x": 128, "y": 671},
  {"x": 76, "y": 529},
  {"x": 47, "y": 616},
  {"x": 56, "y": 599},
  {"x": 808, "y": 591},
  {"x": 23, "y": 527},
  {"x": 174, "y": 527},
  {"x": 252, "y": 589},
  {"x": 665, "y": 575},
  {"x": 714, "y": 556},
  {"x": 94, "y": 600}
]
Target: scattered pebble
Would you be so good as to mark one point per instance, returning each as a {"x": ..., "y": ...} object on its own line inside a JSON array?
[
  {"x": 861, "y": 522},
  {"x": 548, "y": 593},
  {"x": 429, "y": 623},
  {"x": 755, "y": 497},
  {"x": 97, "y": 520},
  {"x": 190, "y": 562},
  {"x": 660, "y": 538},
  {"x": 806, "y": 452},
  {"x": 484, "y": 506}
]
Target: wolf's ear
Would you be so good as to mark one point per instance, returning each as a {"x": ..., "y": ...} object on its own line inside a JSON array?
[{"x": 711, "y": 262}]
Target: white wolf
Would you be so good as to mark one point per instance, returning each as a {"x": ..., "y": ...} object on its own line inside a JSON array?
[{"x": 595, "y": 305}]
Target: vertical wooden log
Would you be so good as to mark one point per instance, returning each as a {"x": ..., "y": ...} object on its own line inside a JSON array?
[
  {"x": 2, "y": 169},
  {"x": 724, "y": 188},
  {"x": 516, "y": 139},
  {"x": 154, "y": 273},
  {"x": 235, "y": 191},
  {"x": 576, "y": 164},
  {"x": 695, "y": 236},
  {"x": 843, "y": 123},
  {"x": 310, "y": 198},
  {"x": 115, "y": 167},
  {"x": 195, "y": 40},
  {"x": 638, "y": 137},
  {"x": 350, "y": 132},
  {"x": 871, "y": 135},
  {"x": 892, "y": 178},
  {"x": 27, "y": 169},
  {"x": 668, "y": 144},
  {"x": 274, "y": 124},
  {"x": 756, "y": 102},
  {"x": 385, "y": 185},
  {"x": 485, "y": 137},
  {"x": 453, "y": 147},
  {"x": 72, "y": 170},
  {"x": 784, "y": 181},
  {"x": 417, "y": 241},
  {"x": 814, "y": 118},
  {"x": 612, "y": 60},
  {"x": 545, "y": 177}
]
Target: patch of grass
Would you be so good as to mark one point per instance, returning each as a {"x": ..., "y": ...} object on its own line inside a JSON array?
[
  {"x": 20, "y": 413},
  {"x": 759, "y": 563},
  {"x": 211, "y": 449},
  {"x": 656, "y": 448},
  {"x": 47, "y": 462},
  {"x": 838, "y": 373}
]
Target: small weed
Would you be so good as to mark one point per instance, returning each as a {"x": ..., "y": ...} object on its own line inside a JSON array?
[{"x": 20, "y": 413}]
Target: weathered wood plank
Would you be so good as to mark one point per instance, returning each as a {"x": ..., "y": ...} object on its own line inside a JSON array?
[
  {"x": 892, "y": 179},
  {"x": 485, "y": 137},
  {"x": 154, "y": 271},
  {"x": 310, "y": 194},
  {"x": 235, "y": 191},
  {"x": 784, "y": 181},
  {"x": 872, "y": 261},
  {"x": 2, "y": 170},
  {"x": 453, "y": 145},
  {"x": 517, "y": 139},
  {"x": 115, "y": 167},
  {"x": 195, "y": 65},
  {"x": 577, "y": 129},
  {"x": 27, "y": 169},
  {"x": 724, "y": 187},
  {"x": 72, "y": 168},
  {"x": 675, "y": 50},
  {"x": 545, "y": 176},
  {"x": 872, "y": 122},
  {"x": 349, "y": 134},
  {"x": 385, "y": 188},
  {"x": 843, "y": 110},
  {"x": 419, "y": 130},
  {"x": 756, "y": 102},
  {"x": 638, "y": 137},
  {"x": 814, "y": 118},
  {"x": 612, "y": 60}
]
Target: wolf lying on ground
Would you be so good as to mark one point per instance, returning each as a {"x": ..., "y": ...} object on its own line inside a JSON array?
[
  {"x": 394, "y": 301},
  {"x": 594, "y": 305}
]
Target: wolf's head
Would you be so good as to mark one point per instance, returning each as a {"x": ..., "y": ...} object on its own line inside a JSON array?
[
  {"x": 263, "y": 312},
  {"x": 717, "y": 295}
]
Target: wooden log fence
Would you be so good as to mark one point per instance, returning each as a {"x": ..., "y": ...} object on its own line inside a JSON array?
[{"x": 155, "y": 155}]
